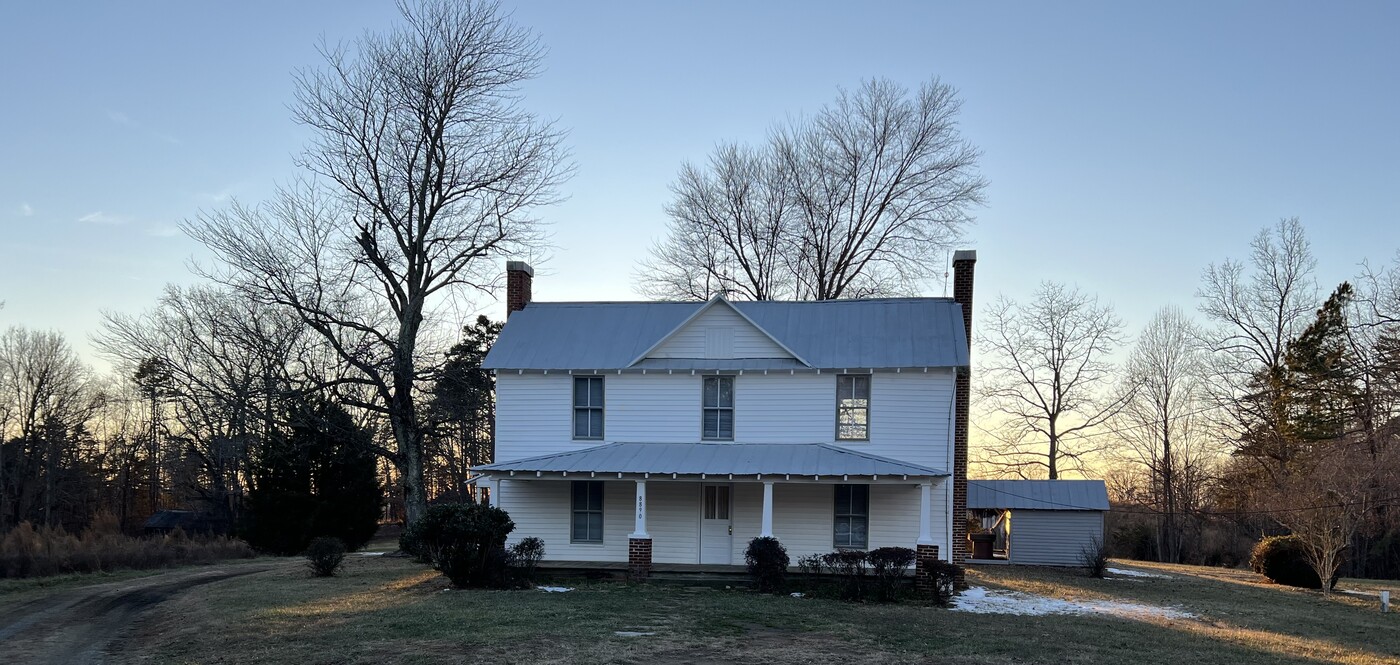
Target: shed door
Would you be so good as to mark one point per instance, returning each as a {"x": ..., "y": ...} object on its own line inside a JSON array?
[{"x": 716, "y": 525}]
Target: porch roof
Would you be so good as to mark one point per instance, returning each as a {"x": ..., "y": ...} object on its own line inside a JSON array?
[{"x": 717, "y": 459}]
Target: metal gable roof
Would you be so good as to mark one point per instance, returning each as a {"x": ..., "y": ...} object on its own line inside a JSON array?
[
  {"x": 798, "y": 459},
  {"x": 1037, "y": 494},
  {"x": 831, "y": 334}
]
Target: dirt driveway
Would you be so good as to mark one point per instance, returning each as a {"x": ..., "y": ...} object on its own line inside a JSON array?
[{"x": 86, "y": 625}]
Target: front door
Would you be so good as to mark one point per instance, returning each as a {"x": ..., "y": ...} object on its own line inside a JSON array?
[{"x": 716, "y": 530}]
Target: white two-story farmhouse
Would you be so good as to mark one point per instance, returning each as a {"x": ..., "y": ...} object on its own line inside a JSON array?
[{"x": 675, "y": 432}]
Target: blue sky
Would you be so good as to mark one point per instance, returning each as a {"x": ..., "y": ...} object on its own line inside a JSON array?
[{"x": 1127, "y": 145}]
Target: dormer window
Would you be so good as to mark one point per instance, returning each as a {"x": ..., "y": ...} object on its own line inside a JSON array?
[
  {"x": 717, "y": 413},
  {"x": 588, "y": 407}
]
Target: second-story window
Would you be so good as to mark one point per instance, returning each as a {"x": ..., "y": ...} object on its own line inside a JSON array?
[
  {"x": 717, "y": 414},
  {"x": 853, "y": 407},
  {"x": 588, "y": 407}
]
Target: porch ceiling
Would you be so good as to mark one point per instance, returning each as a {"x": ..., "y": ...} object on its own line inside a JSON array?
[{"x": 717, "y": 459}]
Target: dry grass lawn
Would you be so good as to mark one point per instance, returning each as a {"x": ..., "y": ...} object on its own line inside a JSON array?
[{"x": 392, "y": 610}]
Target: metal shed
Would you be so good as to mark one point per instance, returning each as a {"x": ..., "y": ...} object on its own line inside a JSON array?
[{"x": 1039, "y": 522}]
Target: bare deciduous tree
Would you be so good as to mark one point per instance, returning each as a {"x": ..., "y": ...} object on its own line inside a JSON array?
[
  {"x": 425, "y": 173},
  {"x": 864, "y": 198},
  {"x": 1257, "y": 309},
  {"x": 1162, "y": 423},
  {"x": 1045, "y": 377}
]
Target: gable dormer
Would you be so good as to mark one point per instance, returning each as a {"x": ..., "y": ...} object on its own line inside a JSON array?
[{"x": 718, "y": 331}]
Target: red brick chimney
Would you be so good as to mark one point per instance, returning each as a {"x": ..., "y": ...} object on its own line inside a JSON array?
[
  {"x": 963, "y": 263},
  {"x": 519, "y": 276}
]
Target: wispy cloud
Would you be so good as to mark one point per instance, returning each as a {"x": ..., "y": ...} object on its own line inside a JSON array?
[
  {"x": 163, "y": 231},
  {"x": 26, "y": 210},
  {"x": 100, "y": 217},
  {"x": 125, "y": 120}
]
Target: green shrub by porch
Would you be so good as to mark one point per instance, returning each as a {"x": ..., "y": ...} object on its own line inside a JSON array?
[{"x": 768, "y": 561}]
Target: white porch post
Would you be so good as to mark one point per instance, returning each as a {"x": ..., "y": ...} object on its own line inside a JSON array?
[
  {"x": 493, "y": 492},
  {"x": 767, "y": 531},
  {"x": 926, "y": 513},
  {"x": 641, "y": 527}
]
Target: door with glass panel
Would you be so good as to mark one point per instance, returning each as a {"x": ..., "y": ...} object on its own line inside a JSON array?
[{"x": 716, "y": 525}]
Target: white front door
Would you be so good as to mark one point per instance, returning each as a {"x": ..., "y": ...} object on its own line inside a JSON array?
[{"x": 716, "y": 530}]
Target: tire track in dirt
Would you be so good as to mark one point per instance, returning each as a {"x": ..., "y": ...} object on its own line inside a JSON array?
[{"x": 79, "y": 626}]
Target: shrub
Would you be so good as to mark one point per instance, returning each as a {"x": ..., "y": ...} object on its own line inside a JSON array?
[
  {"x": 466, "y": 541},
  {"x": 1281, "y": 559},
  {"x": 27, "y": 551},
  {"x": 324, "y": 556},
  {"x": 811, "y": 565},
  {"x": 767, "y": 560},
  {"x": 889, "y": 564},
  {"x": 418, "y": 537},
  {"x": 850, "y": 565},
  {"x": 945, "y": 578},
  {"x": 525, "y": 558},
  {"x": 1094, "y": 557}
]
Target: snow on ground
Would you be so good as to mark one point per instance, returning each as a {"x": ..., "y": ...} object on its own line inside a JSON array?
[
  {"x": 980, "y": 600},
  {"x": 1136, "y": 573},
  {"x": 555, "y": 589}
]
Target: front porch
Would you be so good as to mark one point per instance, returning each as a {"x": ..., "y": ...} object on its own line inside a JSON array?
[{"x": 663, "y": 513}]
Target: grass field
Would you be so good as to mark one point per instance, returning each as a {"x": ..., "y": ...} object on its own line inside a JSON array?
[{"x": 393, "y": 610}]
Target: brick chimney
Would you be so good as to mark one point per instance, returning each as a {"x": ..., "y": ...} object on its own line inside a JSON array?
[
  {"x": 963, "y": 263},
  {"x": 519, "y": 276}
]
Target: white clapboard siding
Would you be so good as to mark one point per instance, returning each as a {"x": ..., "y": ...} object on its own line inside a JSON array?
[
  {"x": 802, "y": 518},
  {"x": 909, "y": 412},
  {"x": 719, "y": 332},
  {"x": 784, "y": 408},
  {"x": 543, "y": 509},
  {"x": 1053, "y": 537},
  {"x": 673, "y": 521},
  {"x": 651, "y": 408},
  {"x": 534, "y": 416}
]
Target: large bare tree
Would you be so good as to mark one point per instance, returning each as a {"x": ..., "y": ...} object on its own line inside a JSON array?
[
  {"x": 1256, "y": 308},
  {"x": 863, "y": 198},
  {"x": 1162, "y": 425},
  {"x": 424, "y": 172},
  {"x": 1046, "y": 379}
]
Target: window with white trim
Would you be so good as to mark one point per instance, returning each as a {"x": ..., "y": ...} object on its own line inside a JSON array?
[
  {"x": 588, "y": 407},
  {"x": 717, "y": 412},
  {"x": 853, "y": 407},
  {"x": 852, "y": 517},
  {"x": 587, "y": 512}
]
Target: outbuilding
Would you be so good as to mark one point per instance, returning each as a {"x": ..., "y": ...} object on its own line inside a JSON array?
[{"x": 1036, "y": 522}]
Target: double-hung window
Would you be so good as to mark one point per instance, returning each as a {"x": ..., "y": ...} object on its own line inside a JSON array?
[
  {"x": 588, "y": 407},
  {"x": 717, "y": 412},
  {"x": 852, "y": 518},
  {"x": 853, "y": 407},
  {"x": 587, "y": 512}
]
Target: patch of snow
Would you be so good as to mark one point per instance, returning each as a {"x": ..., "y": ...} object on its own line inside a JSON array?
[
  {"x": 631, "y": 633},
  {"x": 797, "y": 594},
  {"x": 1358, "y": 592},
  {"x": 980, "y": 600},
  {"x": 372, "y": 553},
  {"x": 555, "y": 589},
  {"x": 1136, "y": 573}
]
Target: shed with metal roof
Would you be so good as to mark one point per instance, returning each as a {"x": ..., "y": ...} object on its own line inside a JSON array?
[{"x": 1038, "y": 522}]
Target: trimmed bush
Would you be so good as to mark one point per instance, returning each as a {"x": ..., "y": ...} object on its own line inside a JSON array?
[
  {"x": 850, "y": 565},
  {"x": 945, "y": 578},
  {"x": 1281, "y": 559},
  {"x": 467, "y": 542},
  {"x": 525, "y": 558},
  {"x": 767, "y": 560},
  {"x": 324, "y": 556},
  {"x": 890, "y": 566},
  {"x": 1094, "y": 557}
]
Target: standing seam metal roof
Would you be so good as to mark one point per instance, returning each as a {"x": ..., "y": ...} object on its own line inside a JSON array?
[
  {"x": 1037, "y": 494},
  {"x": 830, "y": 334},
  {"x": 798, "y": 459}
]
